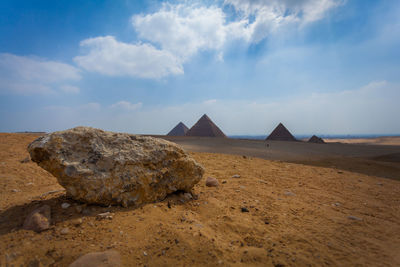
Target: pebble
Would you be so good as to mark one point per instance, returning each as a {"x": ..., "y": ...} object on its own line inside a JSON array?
[
  {"x": 105, "y": 215},
  {"x": 351, "y": 217},
  {"x": 65, "y": 205},
  {"x": 144, "y": 253},
  {"x": 64, "y": 231},
  {"x": 244, "y": 209},
  {"x": 78, "y": 209},
  {"x": 236, "y": 176},
  {"x": 288, "y": 193},
  {"x": 14, "y": 190},
  {"x": 224, "y": 181},
  {"x": 211, "y": 182},
  {"x": 77, "y": 222}
]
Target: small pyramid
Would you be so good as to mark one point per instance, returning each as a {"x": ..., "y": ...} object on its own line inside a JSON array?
[
  {"x": 316, "y": 139},
  {"x": 205, "y": 127},
  {"x": 179, "y": 130},
  {"x": 280, "y": 133}
]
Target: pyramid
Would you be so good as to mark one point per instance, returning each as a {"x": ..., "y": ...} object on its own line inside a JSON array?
[
  {"x": 280, "y": 133},
  {"x": 316, "y": 139},
  {"x": 205, "y": 127},
  {"x": 179, "y": 130}
]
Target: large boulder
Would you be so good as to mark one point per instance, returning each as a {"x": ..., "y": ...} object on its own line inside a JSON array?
[{"x": 96, "y": 166}]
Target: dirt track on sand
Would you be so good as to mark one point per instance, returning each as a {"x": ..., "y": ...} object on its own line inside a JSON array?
[{"x": 298, "y": 216}]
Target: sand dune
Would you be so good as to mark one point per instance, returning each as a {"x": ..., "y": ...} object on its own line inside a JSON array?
[{"x": 298, "y": 215}]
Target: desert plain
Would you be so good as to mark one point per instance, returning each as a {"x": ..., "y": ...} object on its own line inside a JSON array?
[{"x": 277, "y": 204}]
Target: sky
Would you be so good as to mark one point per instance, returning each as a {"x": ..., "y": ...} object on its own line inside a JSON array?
[{"x": 317, "y": 66}]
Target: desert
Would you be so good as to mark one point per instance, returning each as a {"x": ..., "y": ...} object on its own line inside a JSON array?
[{"x": 291, "y": 207}]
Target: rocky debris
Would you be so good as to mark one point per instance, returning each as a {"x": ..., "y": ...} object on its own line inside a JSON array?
[
  {"x": 65, "y": 205},
  {"x": 79, "y": 209},
  {"x": 25, "y": 160},
  {"x": 110, "y": 258},
  {"x": 211, "y": 182},
  {"x": 106, "y": 215},
  {"x": 64, "y": 231},
  {"x": 289, "y": 194},
  {"x": 77, "y": 221},
  {"x": 244, "y": 209},
  {"x": 354, "y": 218},
  {"x": 107, "y": 168},
  {"x": 38, "y": 220},
  {"x": 15, "y": 190},
  {"x": 236, "y": 176}
]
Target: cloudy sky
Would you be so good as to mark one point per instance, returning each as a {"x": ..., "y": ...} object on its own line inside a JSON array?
[{"x": 318, "y": 66}]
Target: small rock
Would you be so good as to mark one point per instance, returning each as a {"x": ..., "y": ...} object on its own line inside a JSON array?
[
  {"x": 64, "y": 231},
  {"x": 30, "y": 183},
  {"x": 211, "y": 182},
  {"x": 337, "y": 204},
  {"x": 110, "y": 258},
  {"x": 379, "y": 184},
  {"x": 65, "y": 205},
  {"x": 144, "y": 253},
  {"x": 224, "y": 181},
  {"x": 236, "y": 176},
  {"x": 105, "y": 215},
  {"x": 77, "y": 221},
  {"x": 79, "y": 209},
  {"x": 38, "y": 220},
  {"x": 244, "y": 209},
  {"x": 288, "y": 193},
  {"x": 187, "y": 196},
  {"x": 25, "y": 160},
  {"x": 351, "y": 217},
  {"x": 15, "y": 190}
]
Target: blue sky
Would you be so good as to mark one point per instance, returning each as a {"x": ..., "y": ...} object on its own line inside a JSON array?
[{"x": 323, "y": 67}]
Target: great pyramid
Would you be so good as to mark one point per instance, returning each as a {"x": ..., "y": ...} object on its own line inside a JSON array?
[
  {"x": 280, "y": 133},
  {"x": 179, "y": 130},
  {"x": 316, "y": 139},
  {"x": 205, "y": 127}
]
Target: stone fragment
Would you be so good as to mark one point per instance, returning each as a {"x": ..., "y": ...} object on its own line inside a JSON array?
[
  {"x": 110, "y": 258},
  {"x": 211, "y": 182},
  {"x": 38, "y": 220},
  {"x": 64, "y": 231},
  {"x": 244, "y": 209},
  {"x": 105, "y": 215},
  {"x": 65, "y": 205},
  {"x": 354, "y": 218},
  {"x": 236, "y": 176},
  {"x": 99, "y": 167}
]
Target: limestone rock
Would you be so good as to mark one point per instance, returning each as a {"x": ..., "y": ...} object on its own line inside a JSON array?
[
  {"x": 96, "y": 166},
  {"x": 38, "y": 220},
  {"x": 211, "y": 182},
  {"x": 108, "y": 258}
]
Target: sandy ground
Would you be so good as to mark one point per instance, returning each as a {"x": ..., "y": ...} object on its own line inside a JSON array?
[
  {"x": 376, "y": 160},
  {"x": 298, "y": 216},
  {"x": 390, "y": 140}
]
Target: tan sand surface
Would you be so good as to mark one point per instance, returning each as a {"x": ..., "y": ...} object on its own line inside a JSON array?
[
  {"x": 389, "y": 140},
  {"x": 298, "y": 216}
]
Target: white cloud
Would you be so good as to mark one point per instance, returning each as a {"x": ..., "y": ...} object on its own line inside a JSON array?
[
  {"x": 180, "y": 31},
  {"x": 70, "y": 89},
  {"x": 271, "y": 15},
  {"x": 126, "y": 105},
  {"x": 210, "y": 101},
  {"x": 110, "y": 57},
  {"x": 20, "y": 74},
  {"x": 183, "y": 29}
]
